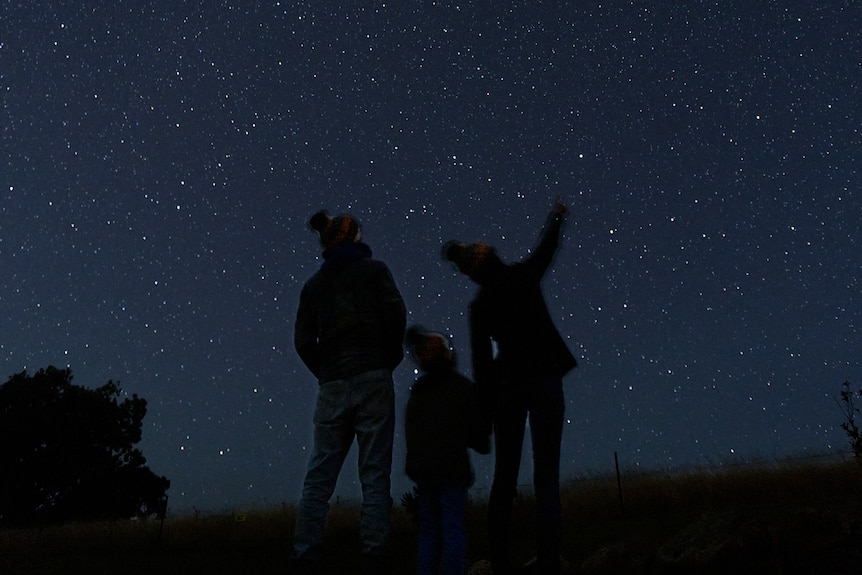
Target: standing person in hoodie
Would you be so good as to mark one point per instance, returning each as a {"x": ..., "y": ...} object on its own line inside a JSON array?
[
  {"x": 525, "y": 380},
  {"x": 440, "y": 424},
  {"x": 349, "y": 332}
]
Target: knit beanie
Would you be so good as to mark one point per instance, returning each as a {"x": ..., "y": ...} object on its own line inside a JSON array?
[
  {"x": 468, "y": 257},
  {"x": 430, "y": 350},
  {"x": 335, "y": 231}
]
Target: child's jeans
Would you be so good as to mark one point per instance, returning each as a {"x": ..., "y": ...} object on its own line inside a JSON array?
[{"x": 442, "y": 512}]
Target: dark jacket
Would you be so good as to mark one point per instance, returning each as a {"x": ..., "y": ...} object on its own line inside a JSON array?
[
  {"x": 510, "y": 309},
  {"x": 351, "y": 316},
  {"x": 440, "y": 423}
]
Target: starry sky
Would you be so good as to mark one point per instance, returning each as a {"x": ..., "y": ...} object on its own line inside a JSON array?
[{"x": 159, "y": 161}]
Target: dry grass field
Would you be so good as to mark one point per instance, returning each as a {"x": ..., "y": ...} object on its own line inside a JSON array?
[{"x": 783, "y": 518}]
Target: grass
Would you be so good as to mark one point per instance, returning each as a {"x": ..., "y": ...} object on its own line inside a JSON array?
[{"x": 812, "y": 511}]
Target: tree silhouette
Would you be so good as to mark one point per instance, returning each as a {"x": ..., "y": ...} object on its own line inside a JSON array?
[
  {"x": 848, "y": 407},
  {"x": 67, "y": 452}
]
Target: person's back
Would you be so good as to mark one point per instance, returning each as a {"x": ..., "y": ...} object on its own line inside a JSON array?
[
  {"x": 350, "y": 317},
  {"x": 510, "y": 308}
]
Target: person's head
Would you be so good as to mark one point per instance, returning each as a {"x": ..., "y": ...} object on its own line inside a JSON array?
[
  {"x": 471, "y": 259},
  {"x": 429, "y": 349},
  {"x": 335, "y": 231}
]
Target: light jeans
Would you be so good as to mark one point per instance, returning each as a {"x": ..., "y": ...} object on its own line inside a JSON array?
[{"x": 360, "y": 407}]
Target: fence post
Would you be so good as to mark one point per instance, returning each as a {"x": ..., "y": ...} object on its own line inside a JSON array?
[{"x": 619, "y": 484}]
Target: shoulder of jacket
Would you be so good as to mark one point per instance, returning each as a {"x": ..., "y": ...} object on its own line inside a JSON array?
[{"x": 311, "y": 282}]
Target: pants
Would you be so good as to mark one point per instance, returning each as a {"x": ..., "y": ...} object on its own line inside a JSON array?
[
  {"x": 442, "y": 513},
  {"x": 542, "y": 401},
  {"x": 361, "y": 408}
]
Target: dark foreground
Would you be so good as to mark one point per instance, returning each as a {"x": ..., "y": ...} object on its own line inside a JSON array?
[{"x": 779, "y": 519}]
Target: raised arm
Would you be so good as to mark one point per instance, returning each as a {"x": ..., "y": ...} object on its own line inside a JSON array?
[{"x": 549, "y": 241}]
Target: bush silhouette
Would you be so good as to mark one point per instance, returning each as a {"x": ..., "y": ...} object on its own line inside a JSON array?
[{"x": 67, "y": 452}]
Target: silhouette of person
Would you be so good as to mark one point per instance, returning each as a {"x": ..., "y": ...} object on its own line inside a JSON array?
[
  {"x": 349, "y": 333},
  {"x": 440, "y": 425},
  {"x": 523, "y": 380}
]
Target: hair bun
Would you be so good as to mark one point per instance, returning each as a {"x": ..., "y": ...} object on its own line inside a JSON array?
[
  {"x": 319, "y": 221},
  {"x": 450, "y": 249},
  {"x": 414, "y": 335}
]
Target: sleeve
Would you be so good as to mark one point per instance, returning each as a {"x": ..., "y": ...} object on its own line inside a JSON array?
[
  {"x": 479, "y": 420},
  {"x": 410, "y": 438},
  {"x": 481, "y": 347},
  {"x": 483, "y": 393},
  {"x": 538, "y": 261},
  {"x": 305, "y": 332},
  {"x": 394, "y": 318}
]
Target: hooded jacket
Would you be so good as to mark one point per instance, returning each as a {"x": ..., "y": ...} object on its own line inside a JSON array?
[{"x": 351, "y": 316}]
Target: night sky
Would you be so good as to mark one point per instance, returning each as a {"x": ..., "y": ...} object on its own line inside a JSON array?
[{"x": 159, "y": 161}]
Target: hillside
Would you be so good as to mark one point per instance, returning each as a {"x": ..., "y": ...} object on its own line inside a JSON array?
[{"x": 767, "y": 519}]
